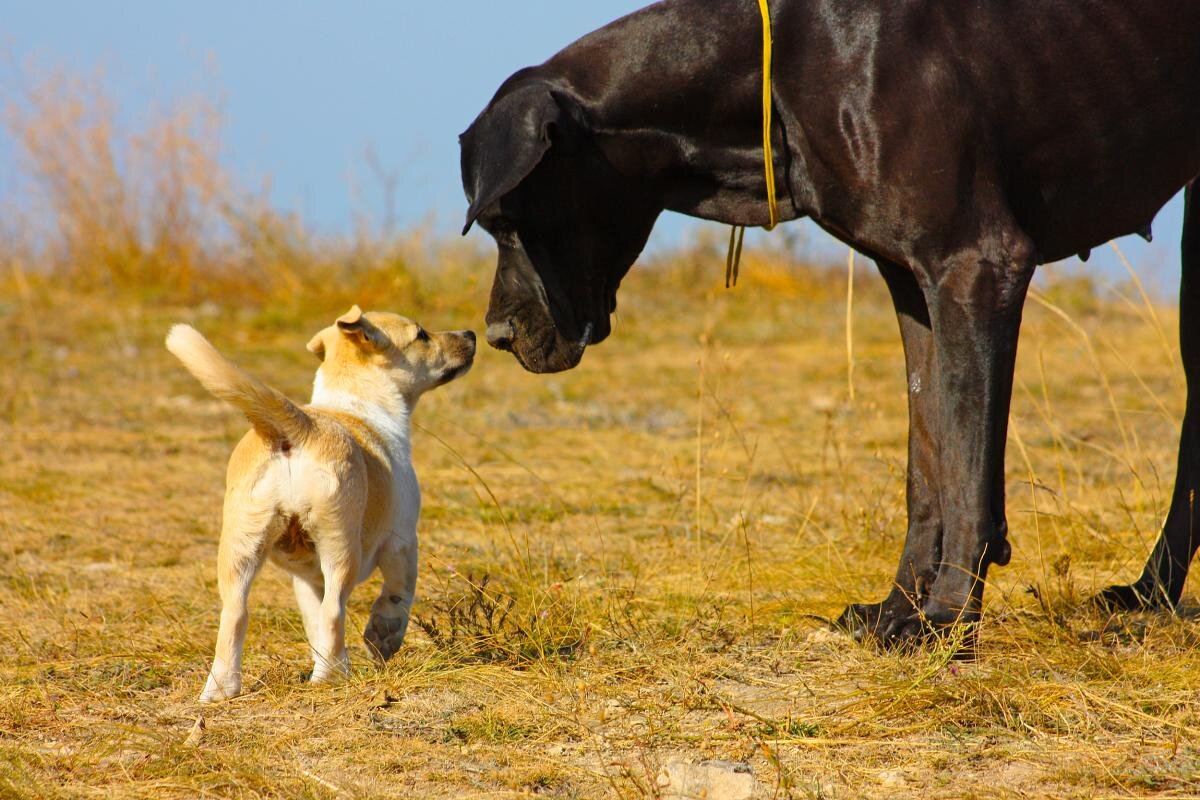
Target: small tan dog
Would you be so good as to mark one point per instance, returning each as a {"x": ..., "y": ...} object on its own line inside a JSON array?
[{"x": 326, "y": 491}]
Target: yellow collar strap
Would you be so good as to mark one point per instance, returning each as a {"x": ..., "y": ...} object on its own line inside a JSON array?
[{"x": 734, "y": 258}]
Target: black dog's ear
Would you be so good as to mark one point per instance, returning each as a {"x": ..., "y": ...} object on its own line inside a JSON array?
[{"x": 507, "y": 141}]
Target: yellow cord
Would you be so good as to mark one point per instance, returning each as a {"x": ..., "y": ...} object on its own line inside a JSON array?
[
  {"x": 734, "y": 257},
  {"x": 768, "y": 157}
]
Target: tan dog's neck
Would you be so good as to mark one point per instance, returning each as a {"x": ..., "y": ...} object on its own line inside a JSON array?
[{"x": 382, "y": 407}]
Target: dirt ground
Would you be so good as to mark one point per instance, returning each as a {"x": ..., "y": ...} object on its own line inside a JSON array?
[{"x": 623, "y": 565}]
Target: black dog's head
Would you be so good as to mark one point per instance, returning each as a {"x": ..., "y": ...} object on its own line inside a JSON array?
[{"x": 567, "y": 222}]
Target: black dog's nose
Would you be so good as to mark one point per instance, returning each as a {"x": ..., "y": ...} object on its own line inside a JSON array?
[{"x": 500, "y": 335}]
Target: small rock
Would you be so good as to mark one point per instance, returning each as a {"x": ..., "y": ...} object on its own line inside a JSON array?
[
  {"x": 892, "y": 778},
  {"x": 824, "y": 635},
  {"x": 823, "y": 403},
  {"x": 708, "y": 780}
]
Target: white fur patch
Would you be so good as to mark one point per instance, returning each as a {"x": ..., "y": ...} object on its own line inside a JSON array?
[{"x": 387, "y": 417}]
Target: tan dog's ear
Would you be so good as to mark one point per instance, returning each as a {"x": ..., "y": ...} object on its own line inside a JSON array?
[
  {"x": 357, "y": 328},
  {"x": 316, "y": 345},
  {"x": 350, "y": 318}
]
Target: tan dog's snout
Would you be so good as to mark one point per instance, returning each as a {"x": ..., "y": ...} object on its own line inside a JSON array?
[{"x": 458, "y": 347}]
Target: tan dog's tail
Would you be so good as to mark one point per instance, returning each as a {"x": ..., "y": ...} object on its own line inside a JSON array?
[{"x": 277, "y": 419}]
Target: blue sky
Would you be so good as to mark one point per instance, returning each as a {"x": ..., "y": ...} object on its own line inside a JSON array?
[{"x": 308, "y": 88}]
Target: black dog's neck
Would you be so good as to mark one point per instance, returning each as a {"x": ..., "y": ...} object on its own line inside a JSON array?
[{"x": 694, "y": 130}]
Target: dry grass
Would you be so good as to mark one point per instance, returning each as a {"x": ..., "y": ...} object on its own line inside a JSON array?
[{"x": 662, "y": 531}]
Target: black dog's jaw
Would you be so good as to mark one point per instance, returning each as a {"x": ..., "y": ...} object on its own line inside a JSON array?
[{"x": 921, "y": 134}]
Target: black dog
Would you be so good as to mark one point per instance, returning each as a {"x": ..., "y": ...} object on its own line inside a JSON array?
[{"x": 958, "y": 144}]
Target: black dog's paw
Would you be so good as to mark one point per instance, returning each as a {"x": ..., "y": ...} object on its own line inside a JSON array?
[
  {"x": 1132, "y": 597},
  {"x": 935, "y": 627},
  {"x": 860, "y": 621},
  {"x": 867, "y": 622}
]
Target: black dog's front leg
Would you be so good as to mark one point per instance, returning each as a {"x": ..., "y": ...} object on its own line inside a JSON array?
[
  {"x": 923, "y": 542},
  {"x": 1166, "y": 571},
  {"x": 974, "y": 299}
]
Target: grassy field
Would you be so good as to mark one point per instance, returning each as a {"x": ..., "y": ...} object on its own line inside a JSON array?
[{"x": 621, "y": 566}]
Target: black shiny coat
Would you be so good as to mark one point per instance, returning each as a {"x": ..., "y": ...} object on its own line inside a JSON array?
[{"x": 958, "y": 143}]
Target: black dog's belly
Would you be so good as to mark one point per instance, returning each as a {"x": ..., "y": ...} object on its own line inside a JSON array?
[
  {"x": 1066, "y": 202},
  {"x": 1065, "y": 221}
]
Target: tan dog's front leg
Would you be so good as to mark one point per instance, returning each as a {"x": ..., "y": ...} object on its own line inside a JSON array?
[
  {"x": 239, "y": 558},
  {"x": 390, "y": 612}
]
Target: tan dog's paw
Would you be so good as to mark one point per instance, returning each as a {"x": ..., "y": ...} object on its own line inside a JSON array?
[
  {"x": 222, "y": 687},
  {"x": 384, "y": 635},
  {"x": 326, "y": 670}
]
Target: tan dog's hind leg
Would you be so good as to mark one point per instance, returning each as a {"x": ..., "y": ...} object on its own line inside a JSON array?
[
  {"x": 339, "y": 566},
  {"x": 240, "y": 556},
  {"x": 308, "y": 597},
  {"x": 389, "y": 613}
]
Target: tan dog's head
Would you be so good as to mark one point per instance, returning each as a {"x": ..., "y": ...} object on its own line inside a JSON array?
[{"x": 378, "y": 351}]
